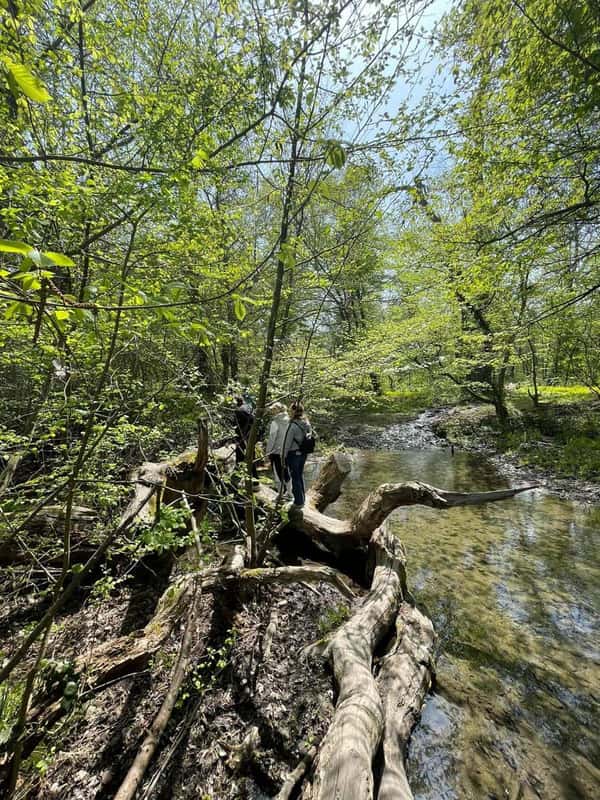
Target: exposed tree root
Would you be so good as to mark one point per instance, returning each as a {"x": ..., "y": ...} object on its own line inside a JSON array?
[
  {"x": 343, "y": 767},
  {"x": 296, "y": 775}
]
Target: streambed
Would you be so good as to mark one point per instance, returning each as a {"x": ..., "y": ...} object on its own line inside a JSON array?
[{"x": 513, "y": 589}]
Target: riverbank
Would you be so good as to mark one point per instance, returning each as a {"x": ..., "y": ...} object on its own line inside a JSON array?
[{"x": 556, "y": 444}]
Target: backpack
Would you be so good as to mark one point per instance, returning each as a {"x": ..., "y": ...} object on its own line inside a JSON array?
[{"x": 308, "y": 443}]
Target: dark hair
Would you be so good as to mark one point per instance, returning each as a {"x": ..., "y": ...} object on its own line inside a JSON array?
[
  {"x": 296, "y": 409},
  {"x": 239, "y": 400}
]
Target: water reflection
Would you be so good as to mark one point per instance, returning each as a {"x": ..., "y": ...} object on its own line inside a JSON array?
[{"x": 513, "y": 589}]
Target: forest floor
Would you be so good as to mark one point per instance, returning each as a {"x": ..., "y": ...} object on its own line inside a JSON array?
[
  {"x": 233, "y": 687},
  {"x": 249, "y": 671}
]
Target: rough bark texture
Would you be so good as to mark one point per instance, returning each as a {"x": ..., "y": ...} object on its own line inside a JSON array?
[
  {"x": 133, "y": 651},
  {"x": 404, "y": 679},
  {"x": 344, "y": 764},
  {"x": 348, "y": 534},
  {"x": 365, "y": 707},
  {"x": 327, "y": 486}
]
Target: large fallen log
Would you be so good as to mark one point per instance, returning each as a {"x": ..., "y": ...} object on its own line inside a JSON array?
[
  {"x": 365, "y": 707},
  {"x": 343, "y": 767},
  {"x": 339, "y": 535},
  {"x": 404, "y": 679}
]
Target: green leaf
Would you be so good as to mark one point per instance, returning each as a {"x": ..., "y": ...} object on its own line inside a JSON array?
[
  {"x": 18, "y": 310},
  {"x": 201, "y": 158},
  {"x": 30, "y": 281},
  {"x": 203, "y": 333},
  {"x": 335, "y": 155},
  {"x": 287, "y": 255},
  {"x": 26, "y": 81},
  {"x": 58, "y": 259},
  {"x": 13, "y": 246},
  {"x": 239, "y": 309}
]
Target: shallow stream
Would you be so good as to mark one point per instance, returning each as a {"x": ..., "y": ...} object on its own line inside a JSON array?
[{"x": 513, "y": 589}]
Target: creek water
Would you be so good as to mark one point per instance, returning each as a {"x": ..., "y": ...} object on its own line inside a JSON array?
[{"x": 513, "y": 589}]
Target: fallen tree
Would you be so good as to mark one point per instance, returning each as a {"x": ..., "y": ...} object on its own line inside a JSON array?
[{"x": 378, "y": 700}]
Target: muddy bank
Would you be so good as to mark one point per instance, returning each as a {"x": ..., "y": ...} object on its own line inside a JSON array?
[{"x": 474, "y": 429}]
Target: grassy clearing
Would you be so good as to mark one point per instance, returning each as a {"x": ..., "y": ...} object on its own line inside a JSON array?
[
  {"x": 554, "y": 395},
  {"x": 401, "y": 401}
]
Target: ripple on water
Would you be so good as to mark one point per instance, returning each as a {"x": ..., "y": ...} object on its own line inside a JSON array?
[{"x": 431, "y": 761}]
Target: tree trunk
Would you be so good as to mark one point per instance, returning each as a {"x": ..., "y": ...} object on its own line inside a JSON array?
[
  {"x": 344, "y": 764},
  {"x": 404, "y": 680}
]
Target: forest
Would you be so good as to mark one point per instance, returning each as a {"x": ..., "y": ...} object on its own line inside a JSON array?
[{"x": 384, "y": 211}]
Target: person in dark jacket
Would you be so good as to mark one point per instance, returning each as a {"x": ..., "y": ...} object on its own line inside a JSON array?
[
  {"x": 295, "y": 456},
  {"x": 244, "y": 419}
]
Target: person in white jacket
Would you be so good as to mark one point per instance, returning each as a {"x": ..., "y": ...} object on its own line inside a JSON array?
[{"x": 277, "y": 432}]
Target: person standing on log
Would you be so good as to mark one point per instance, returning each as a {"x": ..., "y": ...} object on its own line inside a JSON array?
[
  {"x": 243, "y": 424},
  {"x": 277, "y": 431},
  {"x": 299, "y": 442}
]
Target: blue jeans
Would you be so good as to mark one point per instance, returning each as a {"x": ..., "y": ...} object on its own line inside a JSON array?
[{"x": 295, "y": 462}]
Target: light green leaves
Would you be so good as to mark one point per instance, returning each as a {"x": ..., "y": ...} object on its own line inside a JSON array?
[
  {"x": 29, "y": 281},
  {"x": 58, "y": 259},
  {"x": 18, "y": 309},
  {"x": 200, "y": 160},
  {"x": 202, "y": 332},
  {"x": 13, "y": 246},
  {"x": 28, "y": 83},
  {"x": 48, "y": 258},
  {"x": 335, "y": 155},
  {"x": 239, "y": 309},
  {"x": 287, "y": 255}
]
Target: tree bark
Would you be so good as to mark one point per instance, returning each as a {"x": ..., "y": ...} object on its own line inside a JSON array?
[
  {"x": 343, "y": 768},
  {"x": 404, "y": 680}
]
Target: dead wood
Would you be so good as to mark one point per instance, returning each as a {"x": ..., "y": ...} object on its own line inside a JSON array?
[
  {"x": 131, "y": 513},
  {"x": 327, "y": 486},
  {"x": 365, "y": 708},
  {"x": 343, "y": 767},
  {"x": 348, "y": 534},
  {"x": 380, "y": 503},
  {"x": 136, "y": 772},
  {"x": 404, "y": 679},
  {"x": 296, "y": 775},
  {"x": 368, "y": 711},
  {"x": 240, "y": 754},
  {"x": 133, "y": 651}
]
